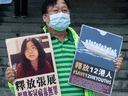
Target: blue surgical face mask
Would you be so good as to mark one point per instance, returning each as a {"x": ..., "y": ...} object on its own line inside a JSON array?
[{"x": 59, "y": 21}]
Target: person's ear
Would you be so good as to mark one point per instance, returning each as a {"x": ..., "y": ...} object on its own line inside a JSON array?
[{"x": 44, "y": 17}]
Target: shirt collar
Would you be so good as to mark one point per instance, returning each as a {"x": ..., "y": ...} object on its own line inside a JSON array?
[{"x": 70, "y": 36}]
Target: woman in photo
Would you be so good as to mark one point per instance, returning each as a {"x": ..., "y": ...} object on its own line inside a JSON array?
[{"x": 33, "y": 59}]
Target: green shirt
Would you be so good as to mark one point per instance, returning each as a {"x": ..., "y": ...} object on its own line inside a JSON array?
[{"x": 64, "y": 56}]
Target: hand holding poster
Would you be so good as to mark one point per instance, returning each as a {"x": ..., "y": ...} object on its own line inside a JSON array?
[
  {"x": 33, "y": 59},
  {"x": 5, "y": 1},
  {"x": 93, "y": 67}
]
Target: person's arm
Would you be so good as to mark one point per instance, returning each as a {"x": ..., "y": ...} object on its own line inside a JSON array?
[
  {"x": 11, "y": 87},
  {"x": 10, "y": 75},
  {"x": 88, "y": 92}
]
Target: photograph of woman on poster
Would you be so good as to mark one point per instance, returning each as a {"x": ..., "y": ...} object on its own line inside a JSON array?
[{"x": 33, "y": 59}]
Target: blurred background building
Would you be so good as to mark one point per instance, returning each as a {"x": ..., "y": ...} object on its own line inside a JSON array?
[{"x": 108, "y": 15}]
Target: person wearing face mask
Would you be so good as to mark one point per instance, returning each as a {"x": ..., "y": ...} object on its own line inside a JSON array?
[{"x": 56, "y": 16}]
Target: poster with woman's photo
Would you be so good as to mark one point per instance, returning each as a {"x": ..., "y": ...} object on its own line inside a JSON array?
[{"x": 32, "y": 59}]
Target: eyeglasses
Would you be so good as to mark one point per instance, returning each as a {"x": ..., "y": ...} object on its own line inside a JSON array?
[
  {"x": 55, "y": 11},
  {"x": 33, "y": 48}
]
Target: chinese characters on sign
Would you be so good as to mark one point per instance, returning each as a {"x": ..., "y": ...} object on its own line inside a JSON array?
[
  {"x": 93, "y": 73},
  {"x": 40, "y": 86}
]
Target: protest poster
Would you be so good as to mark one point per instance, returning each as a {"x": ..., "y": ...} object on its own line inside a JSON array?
[
  {"x": 32, "y": 59},
  {"x": 5, "y": 1},
  {"x": 93, "y": 67}
]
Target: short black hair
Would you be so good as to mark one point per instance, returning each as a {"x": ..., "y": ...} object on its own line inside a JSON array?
[
  {"x": 47, "y": 3},
  {"x": 41, "y": 57}
]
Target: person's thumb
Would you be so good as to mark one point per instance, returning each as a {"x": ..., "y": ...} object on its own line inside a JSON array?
[{"x": 8, "y": 64}]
